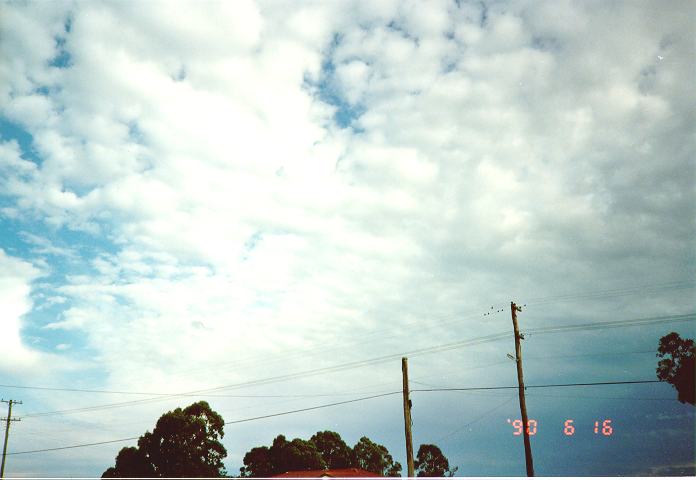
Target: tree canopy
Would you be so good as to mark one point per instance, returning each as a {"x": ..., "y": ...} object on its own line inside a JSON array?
[
  {"x": 431, "y": 462},
  {"x": 184, "y": 443},
  {"x": 375, "y": 458},
  {"x": 334, "y": 451},
  {"x": 296, "y": 454},
  {"x": 282, "y": 456},
  {"x": 257, "y": 463},
  {"x": 324, "y": 450},
  {"x": 677, "y": 365}
]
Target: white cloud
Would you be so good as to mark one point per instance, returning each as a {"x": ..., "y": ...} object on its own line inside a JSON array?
[
  {"x": 472, "y": 133},
  {"x": 15, "y": 283},
  {"x": 12, "y": 163},
  {"x": 45, "y": 246}
]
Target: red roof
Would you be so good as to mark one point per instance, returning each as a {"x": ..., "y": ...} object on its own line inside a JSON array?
[{"x": 336, "y": 473}]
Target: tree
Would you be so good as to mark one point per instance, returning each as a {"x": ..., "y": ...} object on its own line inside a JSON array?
[
  {"x": 678, "y": 368},
  {"x": 257, "y": 463},
  {"x": 184, "y": 443},
  {"x": 130, "y": 462},
  {"x": 333, "y": 450},
  {"x": 430, "y": 462},
  {"x": 375, "y": 458},
  {"x": 281, "y": 457},
  {"x": 324, "y": 450},
  {"x": 297, "y": 454}
]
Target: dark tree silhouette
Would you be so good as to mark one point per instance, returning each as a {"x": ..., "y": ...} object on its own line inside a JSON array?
[
  {"x": 297, "y": 454},
  {"x": 184, "y": 443},
  {"x": 333, "y": 450},
  {"x": 677, "y": 365},
  {"x": 431, "y": 462},
  {"x": 375, "y": 458},
  {"x": 130, "y": 462},
  {"x": 325, "y": 450},
  {"x": 257, "y": 463},
  {"x": 281, "y": 457}
]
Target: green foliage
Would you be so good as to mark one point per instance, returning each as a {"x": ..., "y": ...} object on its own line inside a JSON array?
[
  {"x": 431, "y": 462},
  {"x": 282, "y": 456},
  {"x": 324, "y": 450},
  {"x": 678, "y": 366},
  {"x": 184, "y": 443},
  {"x": 257, "y": 463},
  {"x": 130, "y": 462},
  {"x": 375, "y": 458},
  {"x": 333, "y": 450},
  {"x": 297, "y": 454}
]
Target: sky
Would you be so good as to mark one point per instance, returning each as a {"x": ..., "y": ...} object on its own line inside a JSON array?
[{"x": 266, "y": 205}]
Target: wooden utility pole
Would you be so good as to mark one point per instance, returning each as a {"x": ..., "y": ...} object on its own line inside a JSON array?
[
  {"x": 523, "y": 403},
  {"x": 407, "y": 419},
  {"x": 7, "y": 432}
]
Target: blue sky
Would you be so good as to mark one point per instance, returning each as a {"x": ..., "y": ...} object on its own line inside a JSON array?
[{"x": 194, "y": 198}]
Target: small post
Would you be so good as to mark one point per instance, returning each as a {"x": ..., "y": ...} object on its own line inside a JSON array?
[
  {"x": 520, "y": 381},
  {"x": 407, "y": 419}
]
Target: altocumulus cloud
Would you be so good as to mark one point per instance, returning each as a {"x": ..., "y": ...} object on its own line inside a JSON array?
[{"x": 200, "y": 195}]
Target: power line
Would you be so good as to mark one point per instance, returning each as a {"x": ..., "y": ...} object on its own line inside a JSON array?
[
  {"x": 317, "y": 407},
  {"x": 308, "y": 395},
  {"x": 609, "y": 293},
  {"x": 327, "y": 405},
  {"x": 292, "y": 376},
  {"x": 382, "y": 359},
  {"x": 75, "y": 446},
  {"x": 477, "y": 419},
  {"x": 595, "y": 397},
  {"x": 594, "y": 354},
  {"x": 613, "y": 324},
  {"x": 448, "y": 319},
  {"x": 551, "y": 385},
  {"x": 243, "y": 420},
  {"x": 356, "y": 339},
  {"x": 171, "y": 394},
  {"x": 438, "y": 388}
]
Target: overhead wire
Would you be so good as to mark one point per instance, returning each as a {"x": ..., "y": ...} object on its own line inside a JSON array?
[
  {"x": 346, "y": 344},
  {"x": 610, "y": 293},
  {"x": 243, "y": 420},
  {"x": 384, "y": 358},
  {"x": 551, "y": 385},
  {"x": 360, "y": 339},
  {"x": 421, "y": 326},
  {"x": 172, "y": 394},
  {"x": 612, "y": 324},
  {"x": 595, "y": 397},
  {"x": 316, "y": 407},
  {"x": 477, "y": 419},
  {"x": 306, "y": 395},
  {"x": 74, "y": 446},
  {"x": 292, "y": 376}
]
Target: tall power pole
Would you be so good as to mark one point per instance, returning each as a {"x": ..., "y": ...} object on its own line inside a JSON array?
[
  {"x": 7, "y": 432},
  {"x": 407, "y": 419},
  {"x": 523, "y": 403}
]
